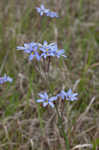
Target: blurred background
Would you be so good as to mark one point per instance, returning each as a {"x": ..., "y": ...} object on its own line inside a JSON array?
[{"x": 77, "y": 32}]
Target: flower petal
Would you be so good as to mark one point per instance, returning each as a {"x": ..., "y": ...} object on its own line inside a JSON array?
[
  {"x": 51, "y": 104},
  {"x": 45, "y": 104},
  {"x": 31, "y": 57},
  {"x": 53, "y": 98},
  {"x": 20, "y": 48},
  {"x": 39, "y": 100},
  {"x": 41, "y": 95}
]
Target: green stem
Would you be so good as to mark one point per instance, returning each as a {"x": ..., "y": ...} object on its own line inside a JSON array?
[
  {"x": 62, "y": 129},
  {"x": 40, "y": 119}
]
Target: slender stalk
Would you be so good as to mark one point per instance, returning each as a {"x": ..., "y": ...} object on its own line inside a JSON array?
[
  {"x": 40, "y": 119},
  {"x": 44, "y": 65},
  {"x": 48, "y": 66},
  {"x": 61, "y": 129}
]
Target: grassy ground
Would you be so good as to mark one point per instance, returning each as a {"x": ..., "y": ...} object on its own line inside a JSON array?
[{"x": 24, "y": 125}]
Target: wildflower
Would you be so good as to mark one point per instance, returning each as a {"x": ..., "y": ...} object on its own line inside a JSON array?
[
  {"x": 5, "y": 79},
  {"x": 51, "y": 50},
  {"x": 58, "y": 52},
  {"x": 42, "y": 10},
  {"x": 45, "y": 100},
  {"x": 47, "y": 49},
  {"x": 28, "y": 47},
  {"x": 34, "y": 53},
  {"x": 70, "y": 95},
  {"x": 52, "y": 14},
  {"x": 31, "y": 48},
  {"x": 62, "y": 94}
]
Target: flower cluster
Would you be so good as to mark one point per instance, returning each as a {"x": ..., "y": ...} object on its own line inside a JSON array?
[
  {"x": 42, "y": 10},
  {"x": 5, "y": 78},
  {"x": 51, "y": 50},
  {"x": 69, "y": 95},
  {"x": 45, "y": 50},
  {"x": 38, "y": 50}
]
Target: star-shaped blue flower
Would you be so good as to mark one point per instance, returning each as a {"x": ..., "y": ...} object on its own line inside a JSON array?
[
  {"x": 70, "y": 95},
  {"x": 5, "y": 78},
  {"x": 41, "y": 10},
  {"x": 32, "y": 49},
  {"x": 51, "y": 50},
  {"x": 52, "y": 14},
  {"x": 27, "y": 48},
  {"x": 62, "y": 94},
  {"x": 34, "y": 53},
  {"x": 47, "y": 49},
  {"x": 58, "y": 52},
  {"x": 45, "y": 100}
]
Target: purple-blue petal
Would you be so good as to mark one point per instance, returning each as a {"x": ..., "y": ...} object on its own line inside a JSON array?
[
  {"x": 20, "y": 48},
  {"x": 51, "y": 104},
  {"x": 53, "y": 98},
  {"x": 31, "y": 57},
  {"x": 40, "y": 100},
  {"x": 45, "y": 104}
]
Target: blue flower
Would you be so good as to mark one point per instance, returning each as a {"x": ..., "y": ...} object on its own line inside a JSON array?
[
  {"x": 70, "y": 95},
  {"x": 47, "y": 49},
  {"x": 51, "y": 50},
  {"x": 34, "y": 53},
  {"x": 28, "y": 47},
  {"x": 42, "y": 10},
  {"x": 45, "y": 100},
  {"x": 52, "y": 14},
  {"x": 32, "y": 49},
  {"x": 58, "y": 52},
  {"x": 62, "y": 94},
  {"x": 5, "y": 79}
]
